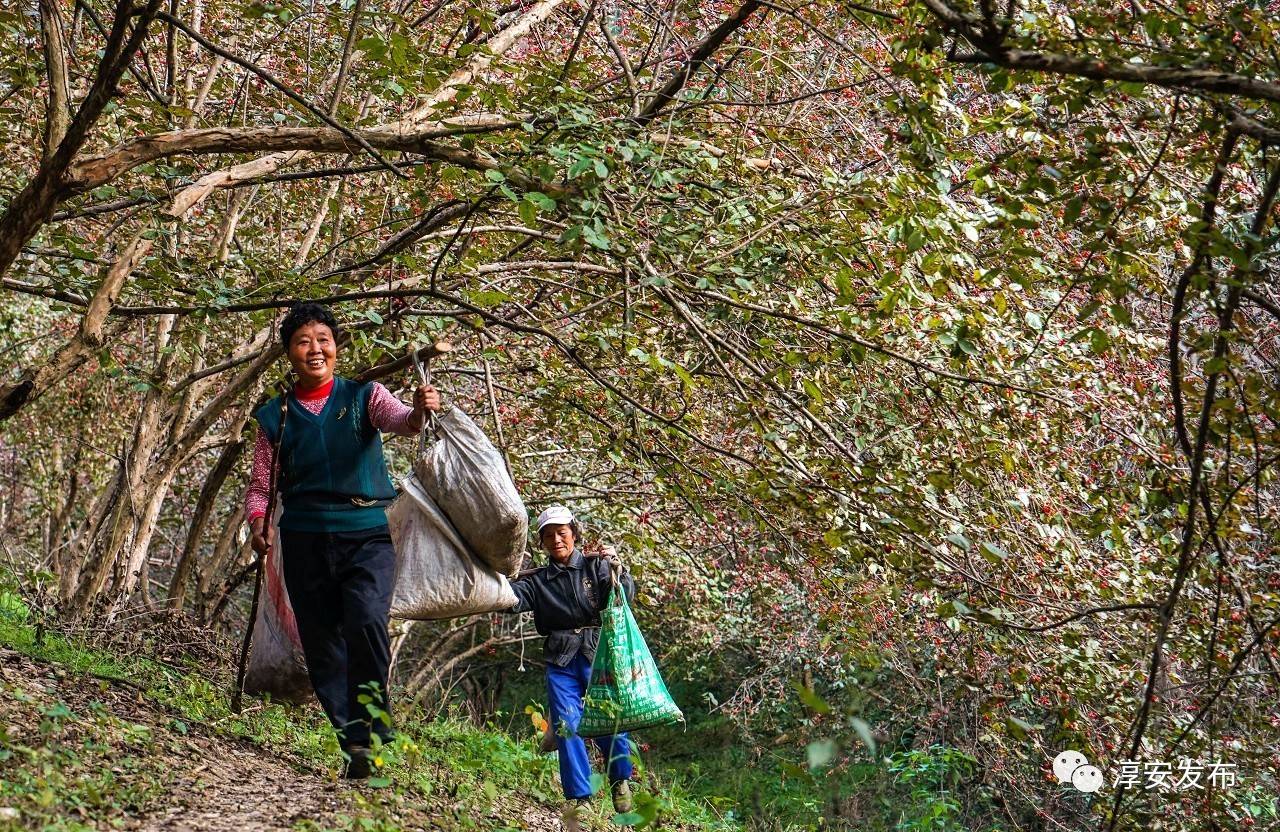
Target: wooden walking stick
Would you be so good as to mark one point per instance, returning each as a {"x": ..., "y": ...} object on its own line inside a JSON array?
[{"x": 237, "y": 695}]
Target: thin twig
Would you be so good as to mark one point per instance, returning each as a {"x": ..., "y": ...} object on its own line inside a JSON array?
[{"x": 293, "y": 96}]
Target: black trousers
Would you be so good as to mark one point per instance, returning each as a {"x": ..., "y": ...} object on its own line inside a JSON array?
[{"x": 340, "y": 586}]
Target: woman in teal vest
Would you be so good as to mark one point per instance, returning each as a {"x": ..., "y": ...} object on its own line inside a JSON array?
[{"x": 335, "y": 548}]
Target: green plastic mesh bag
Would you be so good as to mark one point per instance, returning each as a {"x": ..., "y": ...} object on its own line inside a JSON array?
[{"x": 626, "y": 692}]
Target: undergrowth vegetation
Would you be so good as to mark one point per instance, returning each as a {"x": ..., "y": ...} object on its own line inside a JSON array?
[{"x": 72, "y": 759}]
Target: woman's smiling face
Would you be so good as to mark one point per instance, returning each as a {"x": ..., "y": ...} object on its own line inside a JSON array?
[{"x": 313, "y": 351}]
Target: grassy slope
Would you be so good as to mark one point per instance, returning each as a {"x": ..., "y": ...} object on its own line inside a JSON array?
[{"x": 92, "y": 740}]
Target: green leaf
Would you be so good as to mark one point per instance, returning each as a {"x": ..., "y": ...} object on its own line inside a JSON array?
[
  {"x": 1020, "y": 727},
  {"x": 1088, "y": 310},
  {"x": 814, "y": 392},
  {"x": 488, "y": 298},
  {"x": 544, "y": 202},
  {"x": 820, "y": 753},
  {"x": 959, "y": 540},
  {"x": 811, "y": 700},
  {"x": 685, "y": 377},
  {"x": 1072, "y": 211},
  {"x": 595, "y": 238},
  {"x": 528, "y": 211},
  {"x": 994, "y": 553},
  {"x": 863, "y": 730}
]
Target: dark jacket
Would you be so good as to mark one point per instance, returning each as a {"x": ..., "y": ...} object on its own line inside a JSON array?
[{"x": 566, "y": 602}]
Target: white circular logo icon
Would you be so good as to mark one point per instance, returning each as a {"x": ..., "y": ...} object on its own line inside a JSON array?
[
  {"x": 1066, "y": 763},
  {"x": 1087, "y": 779}
]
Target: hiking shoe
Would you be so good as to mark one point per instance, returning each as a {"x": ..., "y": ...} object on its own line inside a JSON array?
[
  {"x": 621, "y": 790},
  {"x": 360, "y": 766}
]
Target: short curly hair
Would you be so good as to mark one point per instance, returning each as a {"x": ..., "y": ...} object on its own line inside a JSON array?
[{"x": 303, "y": 313}]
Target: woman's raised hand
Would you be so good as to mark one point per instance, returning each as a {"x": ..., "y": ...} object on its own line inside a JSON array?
[{"x": 426, "y": 398}]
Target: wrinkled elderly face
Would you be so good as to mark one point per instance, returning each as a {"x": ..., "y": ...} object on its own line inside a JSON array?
[
  {"x": 313, "y": 351},
  {"x": 557, "y": 541}
]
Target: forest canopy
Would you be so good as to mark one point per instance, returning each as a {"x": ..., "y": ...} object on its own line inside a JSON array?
[{"x": 921, "y": 356}]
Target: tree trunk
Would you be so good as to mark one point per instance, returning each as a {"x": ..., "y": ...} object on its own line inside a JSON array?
[
  {"x": 204, "y": 510},
  {"x": 151, "y": 495},
  {"x": 83, "y": 542},
  {"x": 60, "y": 520},
  {"x": 34, "y": 205},
  {"x": 210, "y": 575},
  {"x": 37, "y": 380},
  {"x": 132, "y": 516}
]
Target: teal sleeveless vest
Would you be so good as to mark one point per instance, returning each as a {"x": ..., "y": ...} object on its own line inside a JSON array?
[{"x": 333, "y": 476}]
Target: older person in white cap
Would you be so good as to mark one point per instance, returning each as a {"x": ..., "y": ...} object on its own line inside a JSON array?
[{"x": 566, "y": 597}]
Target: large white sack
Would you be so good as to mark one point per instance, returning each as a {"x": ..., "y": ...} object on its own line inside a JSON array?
[
  {"x": 436, "y": 577},
  {"x": 466, "y": 476},
  {"x": 276, "y": 664}
]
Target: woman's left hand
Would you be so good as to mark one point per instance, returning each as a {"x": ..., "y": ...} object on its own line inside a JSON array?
[
  {"x": 612, "y": 556},
  {"x": 426, "y": 398}
]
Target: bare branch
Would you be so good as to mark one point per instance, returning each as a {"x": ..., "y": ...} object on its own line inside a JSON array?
[
  {"x": 290, "y": 94},
  {"x": 57, "y": 114},
  {"x": 32, "y": 207},
  {"x": 704, "y": 50},
  {"x": 98, "y": 170},
  {"x": 424, "y": 114},
  {"x": 993, "y": 50}
]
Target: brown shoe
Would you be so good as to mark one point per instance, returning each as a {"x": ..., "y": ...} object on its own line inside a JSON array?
[{"x": 621, "y": 790}]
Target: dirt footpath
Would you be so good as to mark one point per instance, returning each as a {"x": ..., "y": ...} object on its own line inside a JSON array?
[{"x": 88, "y": 753}]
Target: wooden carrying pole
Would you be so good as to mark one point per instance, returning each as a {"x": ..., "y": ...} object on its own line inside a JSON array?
[{"x": 237, "y": 696}]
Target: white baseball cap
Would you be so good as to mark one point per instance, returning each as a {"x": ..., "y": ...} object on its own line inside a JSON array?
[{"x": 554, "y": 514}]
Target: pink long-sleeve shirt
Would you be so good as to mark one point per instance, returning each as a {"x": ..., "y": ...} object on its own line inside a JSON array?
[{"x": 386, "y": 413}]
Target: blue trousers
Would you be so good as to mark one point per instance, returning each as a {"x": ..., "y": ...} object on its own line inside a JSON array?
[{"x": 565, "y": 688}]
